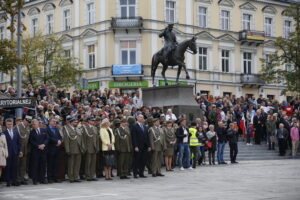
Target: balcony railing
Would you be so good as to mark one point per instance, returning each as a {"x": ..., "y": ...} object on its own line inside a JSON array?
[
  {"x": 127, "y": 23},
  {"x": 251, "y": 36},
  {"x": 252, "y": 80}
]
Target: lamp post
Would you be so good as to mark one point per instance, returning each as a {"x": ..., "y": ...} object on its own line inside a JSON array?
[{"x": 19, "y": 69}]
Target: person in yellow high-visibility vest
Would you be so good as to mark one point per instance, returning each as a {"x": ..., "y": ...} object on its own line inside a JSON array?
[{"x": 194, "y": 142}]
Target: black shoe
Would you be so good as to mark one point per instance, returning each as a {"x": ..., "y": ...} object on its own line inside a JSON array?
[
  {"x": 159, "y": 174},
  {"x": 122, "y": 177},
  {"x": 129, "y": 174},
  {"x": 44, "y": 182},
  {"x": 77, "y": 181},
  {"x": 50, "y": 181},
  {"x": 8, "y": 185},
  {"x": 153, "y": 175},
  {"x": 224, "y": 163},
  {"x": 24, "y": 183},
  {"x": 171, "y": 170},
  {"x": 143, "y": 176},
  {"x": 34, "y": 182},
  {"x": 89, "y": 179},
  {"x": 235, "y": 162},
  {"x": 57, "y": 181},
  {"x": 72, "y": 181},
  {"x": 135, "y": 176},
  {"x": 214, "y": 163},
  {"x": 126, "y": 177},
  {"x": 94, "y": 179}
]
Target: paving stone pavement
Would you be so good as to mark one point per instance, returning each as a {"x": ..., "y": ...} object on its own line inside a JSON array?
[{"x": 270, "y": 179}]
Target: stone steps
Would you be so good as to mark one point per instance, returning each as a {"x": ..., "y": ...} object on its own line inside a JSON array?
[{"x": 255, "y": 152}]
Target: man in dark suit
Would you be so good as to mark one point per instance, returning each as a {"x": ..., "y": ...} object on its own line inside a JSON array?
[
  {"x": 39, "y": 140},
  {"x": 282, "y": 136},
  {"x": 141, "y": 145},
  {"x": 53, "y": 149},
  {"x": 258, "y": 122},
  {"x": 14, "y": 152}
]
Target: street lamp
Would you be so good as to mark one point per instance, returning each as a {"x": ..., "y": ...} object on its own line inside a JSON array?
[{"x": 19, "y": 69}]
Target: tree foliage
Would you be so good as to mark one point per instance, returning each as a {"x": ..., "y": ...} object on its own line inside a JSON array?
[
  {"x": 288, "y": 52},
  {"x": 45, "y": 62},
  {"x": 8, "y": 55}
]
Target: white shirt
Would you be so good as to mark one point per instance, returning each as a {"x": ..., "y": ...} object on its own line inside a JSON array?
[
  {"x": 185, "y": 132},
  {"x": 171, "y": 117},
  {"x": 11, "y": 133}
]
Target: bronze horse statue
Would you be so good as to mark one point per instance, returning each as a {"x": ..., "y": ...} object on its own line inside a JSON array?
[{"x": 176, "y": 59}]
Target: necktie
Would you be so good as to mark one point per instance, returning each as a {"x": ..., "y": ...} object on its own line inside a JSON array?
[
  {"x": 38, "y": 131},
  {"x": 11, "y": 134}
]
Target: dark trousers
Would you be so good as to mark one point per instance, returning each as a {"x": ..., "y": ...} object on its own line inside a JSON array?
[
  {"x": 233, "y": 151},
  {"x": 211, "y": 156},
  {"x": 38, "y": 165},
  {"x": 194, "y": 150},
  {"x": 11, "y": 169},
  {"x": 53, "y": 164},
  {"x": 258, "y": 135},
  {"x": 282, "y": 146},
  {"x": 139, "y": 162}
]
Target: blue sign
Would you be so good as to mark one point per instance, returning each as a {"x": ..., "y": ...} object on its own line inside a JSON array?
[{"x": 127, "y": 70}]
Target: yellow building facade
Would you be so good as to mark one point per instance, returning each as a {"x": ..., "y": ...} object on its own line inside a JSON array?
[{"x": 115, "y": 40}]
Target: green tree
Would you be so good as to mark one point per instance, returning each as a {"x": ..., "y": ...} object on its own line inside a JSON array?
[
  {"x": 10, "y": 11},
  {"x": 45, "y": 62},
  {"x": 8, "y": 56},
  {"x": 288, "y": 52}
]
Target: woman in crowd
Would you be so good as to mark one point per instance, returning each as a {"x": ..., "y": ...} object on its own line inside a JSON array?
[
  {"x": 202, "y": 140},
  {"x": 108, "y": 140},
  {"x": 211, "y": 144},
  {"x": 3, "y": 151},
  {"x": 295, "y": 139},
  {"x": 271, "y": 131},
  {"x": 170, "y": 139}
]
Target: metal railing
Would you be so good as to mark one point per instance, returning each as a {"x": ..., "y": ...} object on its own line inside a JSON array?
[
  {"x": 252, "y": 79},
  {"x": 127, "y": 23}
]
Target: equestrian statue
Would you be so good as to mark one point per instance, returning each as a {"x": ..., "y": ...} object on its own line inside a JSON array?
[{"x": 172, "y": 54}]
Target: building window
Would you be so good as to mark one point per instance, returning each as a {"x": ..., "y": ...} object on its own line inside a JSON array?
[
  {"x": 1, "y": 76},
  {"x": 170, "y": 11},
  {"x": 287, "y": 29},
  {"x": 225, "y": 19},
  {"x": 90, "y": 13},
  {"x": 225, "y": 60},
  {"x": 247, "y": 18},
  {"x": 91, "y": 56},
  {"x": 34, "y": 26},
  {"x": 268, "y": 26},
  {"x": 267, "y": 59},
  {"x": 67, "y": 53},
  {"x": 67, "y": 19},
  {"x": 2, "y": 33},
  {"x": 202, "y": 58},
  {"x": 247, "y": 58},
  {"x": 128, "y": 52},
  {"x": 226, "y": 94},
  {"x": 270, "y": 97},
  {"x": 127, "y": 8},
  {"x": 202, "y": 17},
  {"x": 50, "y": 24}
]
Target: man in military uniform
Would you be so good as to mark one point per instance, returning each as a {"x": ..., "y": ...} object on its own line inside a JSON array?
[
  {"x": 74, "y": 148},
  {"x": 22, "y": 126},
  {"x": 123, "y": 146},
  {"x": 170, "y": 42},
  {"x": 158, "y": 145},
  {"x": 91, "y": 141}
]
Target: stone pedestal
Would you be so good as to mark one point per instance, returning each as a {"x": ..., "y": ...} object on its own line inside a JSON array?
[{"x": 178, "y": 97}]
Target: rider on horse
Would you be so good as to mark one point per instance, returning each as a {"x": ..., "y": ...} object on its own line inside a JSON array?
[{"x": 170, "y": 42}]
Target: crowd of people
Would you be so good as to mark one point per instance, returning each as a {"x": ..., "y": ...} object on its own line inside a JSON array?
[{"x": 90, "y": 134}]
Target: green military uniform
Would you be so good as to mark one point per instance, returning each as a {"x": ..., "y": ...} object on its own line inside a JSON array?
[
  {"x": 74, "y": 147},
  {"x": 91, "y": 141},
  {"x": 24, "y": 136},
  {"x": 123, "y": 146},
  {"x": 158, "y": 145}
]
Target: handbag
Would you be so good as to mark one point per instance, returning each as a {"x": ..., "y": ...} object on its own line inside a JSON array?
[{"x": 209, "y": 144}]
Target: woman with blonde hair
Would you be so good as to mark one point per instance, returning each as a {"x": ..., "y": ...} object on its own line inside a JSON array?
[
  {"x": 108, "y": 147},
  {"x": 3, "y": 152},
  {"x": 211, "y": 144}
]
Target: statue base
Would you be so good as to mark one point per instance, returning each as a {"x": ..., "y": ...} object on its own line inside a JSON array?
[{"x": 178, "y": 97}]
